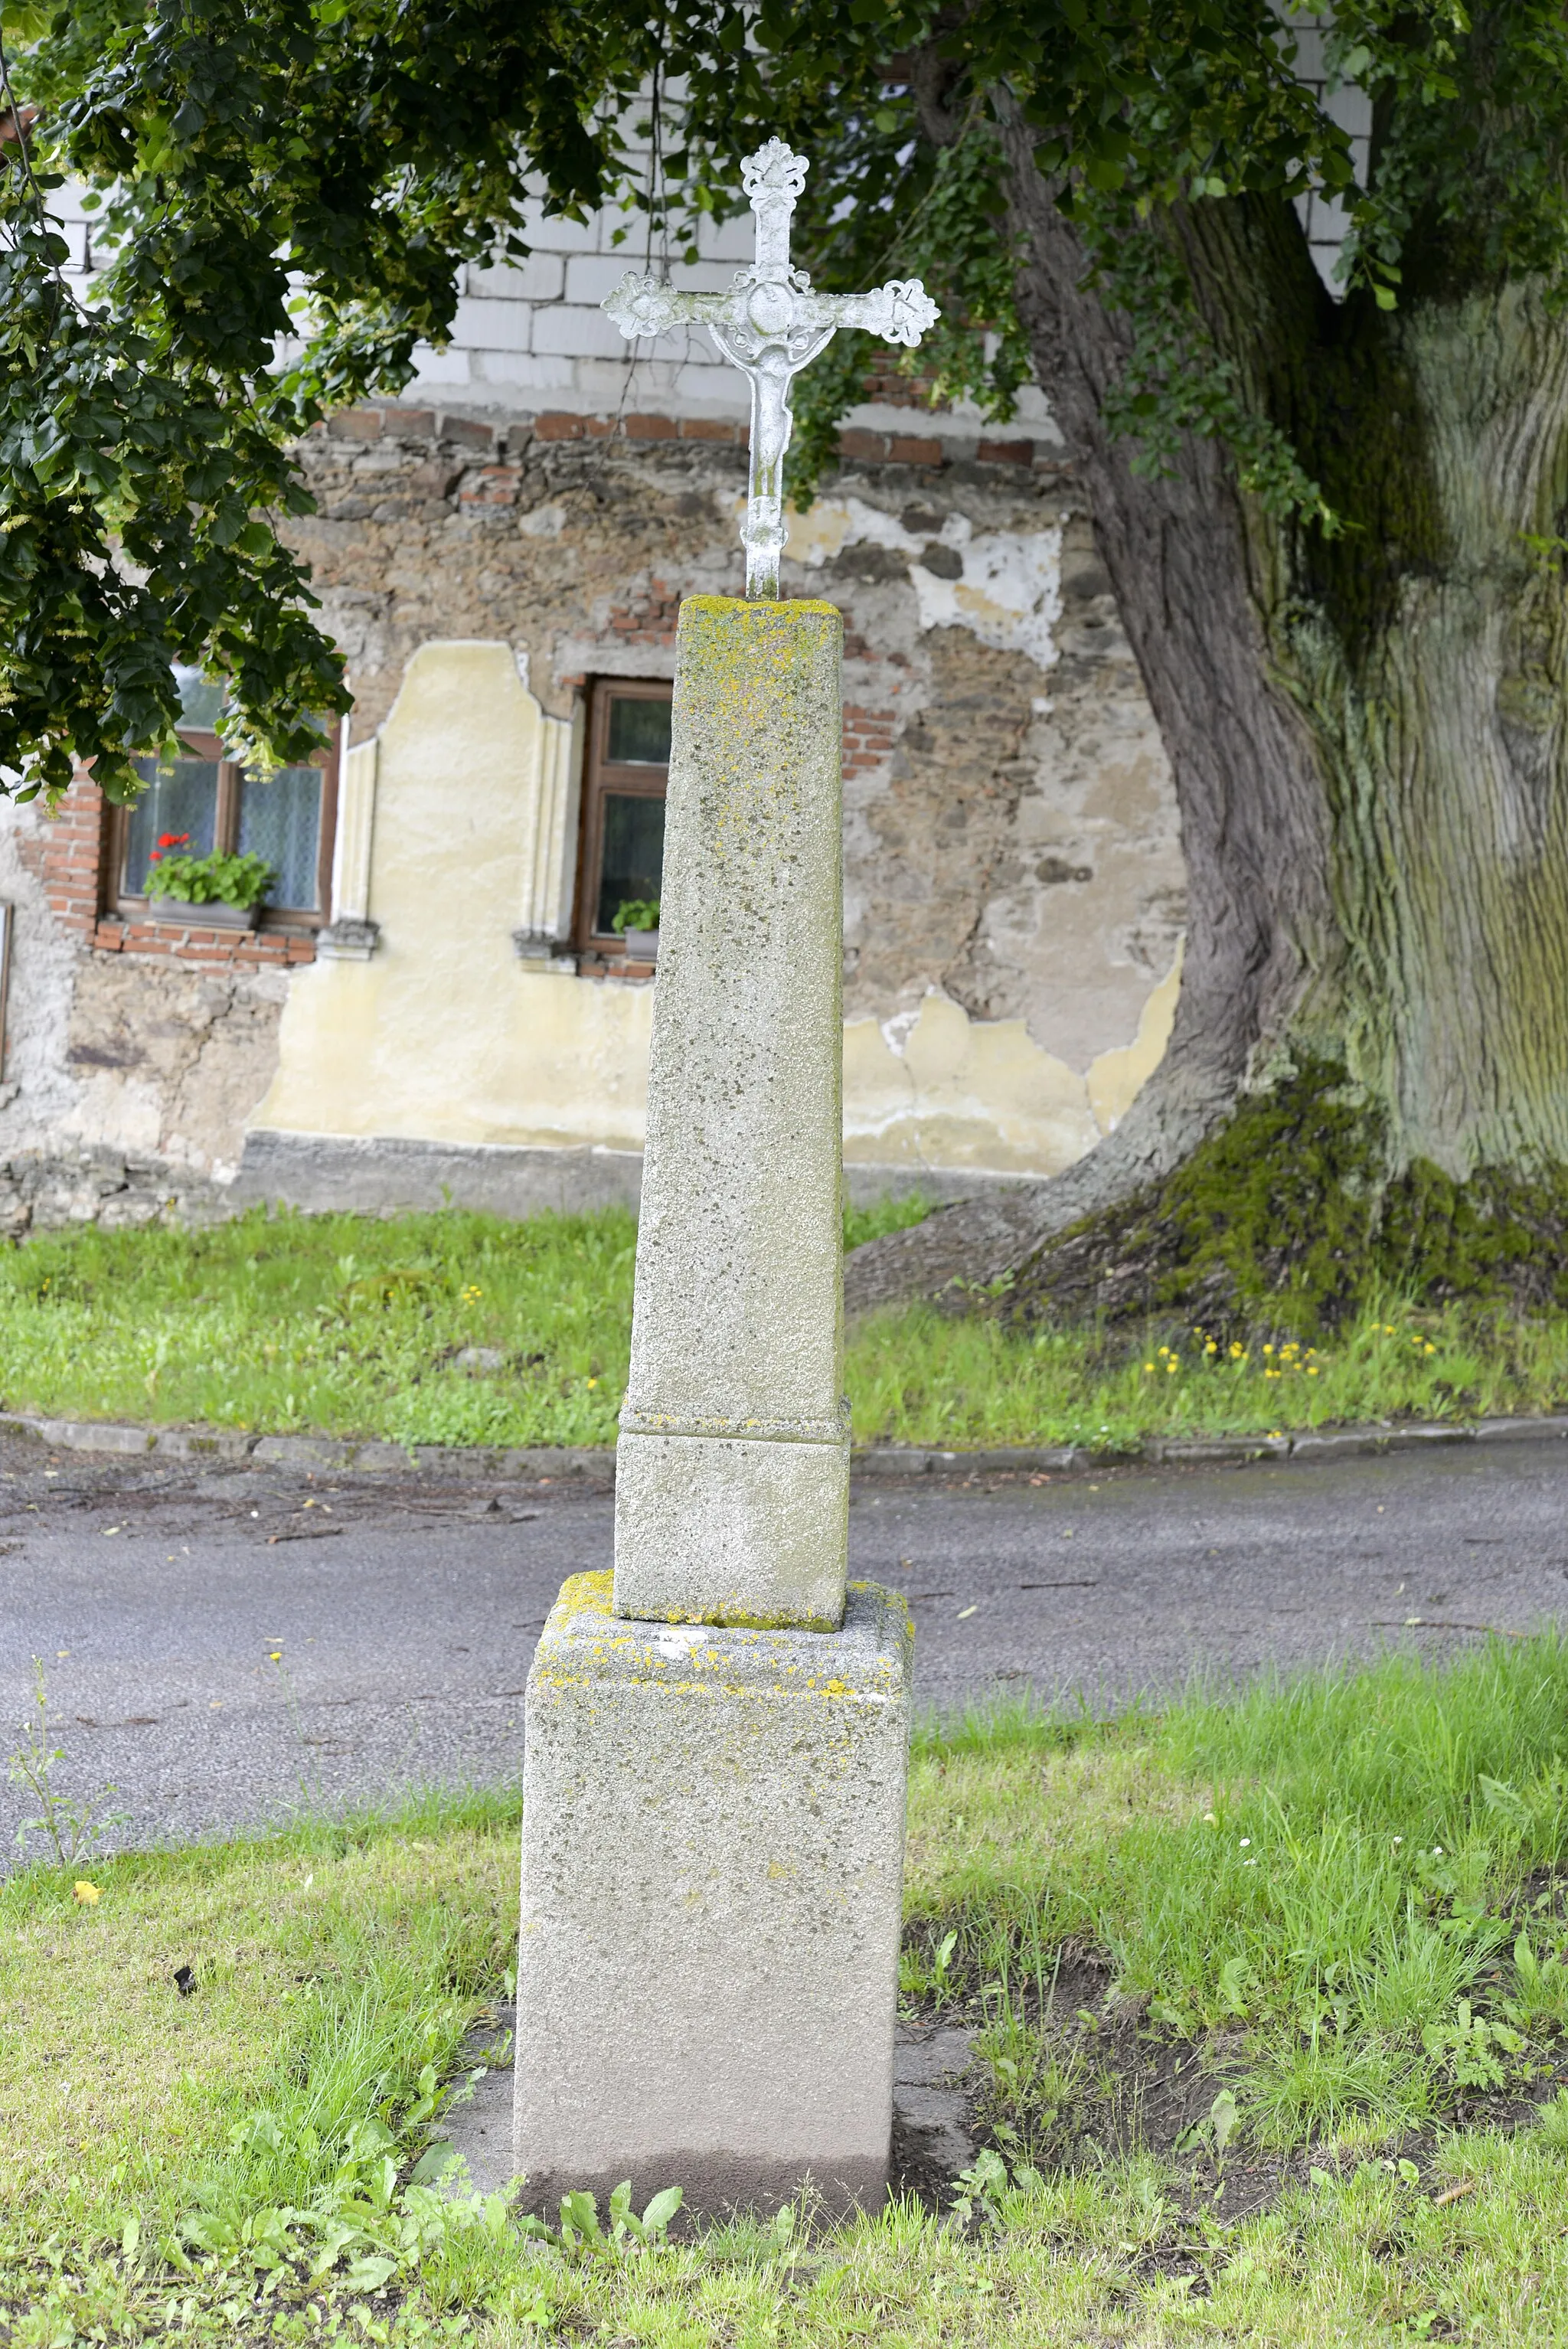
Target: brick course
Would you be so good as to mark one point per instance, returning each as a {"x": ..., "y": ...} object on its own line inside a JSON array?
[
  {"x": 66, "y": 853},
  {"x": 856, "y": 443}
]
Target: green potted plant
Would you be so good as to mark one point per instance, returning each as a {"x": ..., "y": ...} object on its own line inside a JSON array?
[
  {"x": 637, "y": 920},
  {"x": 226, "y": 892}
]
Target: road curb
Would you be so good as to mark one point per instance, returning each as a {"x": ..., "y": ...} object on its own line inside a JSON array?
[
  {"x": 543, "y": 1463},
  {"x": 537, "y": 1464}
]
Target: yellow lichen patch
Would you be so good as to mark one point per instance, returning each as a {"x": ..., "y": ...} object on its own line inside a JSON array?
[
  {"x": 759, "y": 610},
  {"x": 584, "y": 1594}
]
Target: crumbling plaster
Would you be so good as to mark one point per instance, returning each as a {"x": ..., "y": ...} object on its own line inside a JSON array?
[
  {"x": 40, "y": 1094},
  {"x": 128, "y": 1082},
  {"x": 1016, "y": 848},
  {"x": 1014, "y": 881}
]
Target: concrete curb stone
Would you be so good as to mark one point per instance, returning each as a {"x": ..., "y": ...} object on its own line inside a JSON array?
[{"x": 595, "y": 1464}]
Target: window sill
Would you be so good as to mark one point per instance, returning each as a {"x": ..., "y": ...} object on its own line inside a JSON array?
[
  {"x": 596, "y": 965},
  {"x": 126, "y": 932}
]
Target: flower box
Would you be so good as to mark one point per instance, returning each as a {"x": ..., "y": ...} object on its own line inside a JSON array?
[
  {"x": 214, "y": 916},
  {"x": 641, "y": 945}
]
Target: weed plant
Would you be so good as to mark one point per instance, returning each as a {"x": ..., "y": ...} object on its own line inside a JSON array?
[
  {"x": 463, "y": 1329},
  {"x": 1334, "y": 1900}
]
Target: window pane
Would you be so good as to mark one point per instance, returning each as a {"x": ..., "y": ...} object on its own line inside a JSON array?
[
  {"x": 634, "y": 852},
  {"x": 183, "y": 797},
  {"x": 639, "y": 733},
  {"x": 280, "y": 819},
  {"x": 200, "y": 701}
]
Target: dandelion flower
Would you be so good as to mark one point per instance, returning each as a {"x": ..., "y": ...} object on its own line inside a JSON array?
[{"x": 83, "y": 1893}]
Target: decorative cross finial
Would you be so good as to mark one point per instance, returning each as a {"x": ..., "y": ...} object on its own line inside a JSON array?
[{"x": 770, "y": 324}]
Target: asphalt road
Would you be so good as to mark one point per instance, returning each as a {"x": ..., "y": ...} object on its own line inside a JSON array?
[{"x": 226, "y": 1646}]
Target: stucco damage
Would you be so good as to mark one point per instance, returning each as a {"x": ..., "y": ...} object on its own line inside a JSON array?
[{"x": 1014, "y": 881}]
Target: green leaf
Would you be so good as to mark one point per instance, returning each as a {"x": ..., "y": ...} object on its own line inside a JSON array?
[
  {"x": 662, "y": 2209},
  {"x": 580, "y": 2212}
]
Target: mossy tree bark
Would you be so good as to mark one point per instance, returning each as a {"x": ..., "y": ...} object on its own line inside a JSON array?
[{"x": 1367, "y": 732}]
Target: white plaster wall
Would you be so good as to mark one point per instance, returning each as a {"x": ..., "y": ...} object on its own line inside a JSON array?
[{"x": 40, "y": 1096}]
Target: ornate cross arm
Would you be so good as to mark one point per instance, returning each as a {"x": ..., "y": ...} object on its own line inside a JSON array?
[
  {"x": 770, "y": 323},
  {"x": 900, "y": 312}
]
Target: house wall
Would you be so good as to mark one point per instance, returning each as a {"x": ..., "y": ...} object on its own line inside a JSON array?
[
  {"x": 525, "y": 519},
  {"x": 1012, "y": 874}
]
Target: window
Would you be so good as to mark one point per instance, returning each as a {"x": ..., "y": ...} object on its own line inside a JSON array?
[
  {"x": 623, "y": 808},
  {"x": 204, "y": 798}
]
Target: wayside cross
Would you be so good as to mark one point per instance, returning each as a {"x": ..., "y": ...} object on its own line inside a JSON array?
[{"x": 771, "y": 324}]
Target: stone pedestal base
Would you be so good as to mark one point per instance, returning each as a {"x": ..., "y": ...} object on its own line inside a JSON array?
[
  {"x": 718, "y": 1529},
  {"x": 712, "y": 1863}
]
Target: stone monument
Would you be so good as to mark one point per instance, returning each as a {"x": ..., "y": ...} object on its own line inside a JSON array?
[{"x": 717, "y": 1734}]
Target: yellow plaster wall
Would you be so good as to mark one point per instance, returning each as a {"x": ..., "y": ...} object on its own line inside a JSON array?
[
  {"x": 982, "y": 1096},
  {"x": 444, "y": 1035}
]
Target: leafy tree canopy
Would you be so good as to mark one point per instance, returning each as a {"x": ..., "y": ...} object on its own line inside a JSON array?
[{"x": 287, "y": 188}]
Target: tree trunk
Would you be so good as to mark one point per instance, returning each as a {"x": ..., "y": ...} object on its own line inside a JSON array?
[{"x": 1366, "y": 733}]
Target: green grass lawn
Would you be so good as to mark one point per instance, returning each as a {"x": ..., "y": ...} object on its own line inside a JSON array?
[
  {"x": 1327, "y": 1918},
  {"x": 463, "y": 1329}
]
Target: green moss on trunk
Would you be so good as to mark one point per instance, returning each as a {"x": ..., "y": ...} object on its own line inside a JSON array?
[{"x": 1290, "y": 1216}]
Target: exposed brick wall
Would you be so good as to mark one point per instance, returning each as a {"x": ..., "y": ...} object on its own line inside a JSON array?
[
  {"x": 188, "y": 942},
  {"x": 650, "y": 620},
  {"x": 66, "y": 855},
  {"x": 491, "y": 485},
  {"x": 66, "y": 851},
  {"x": 869, "y": 736}
]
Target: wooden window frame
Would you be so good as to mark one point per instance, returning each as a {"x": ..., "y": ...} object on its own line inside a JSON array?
[
  {"x": 200, "y": 744},
  {"x": 599, "y": 777}
]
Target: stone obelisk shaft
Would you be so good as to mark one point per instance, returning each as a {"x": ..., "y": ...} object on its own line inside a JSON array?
[
  {"x": 713, "y": 1794},
  {"x": 732, "y": 1473}
]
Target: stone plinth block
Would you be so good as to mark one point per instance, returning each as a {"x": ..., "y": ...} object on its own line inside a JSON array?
[
  {"x": 738, "y": 1324},
  {"x": 755, "y": 1531},
  {"x": 712, "y": 1862}
]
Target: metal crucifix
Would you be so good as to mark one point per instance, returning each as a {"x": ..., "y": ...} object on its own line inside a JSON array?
[{"x": 771, "y": 324}]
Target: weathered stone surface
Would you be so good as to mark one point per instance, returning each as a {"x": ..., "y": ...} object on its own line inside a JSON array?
[
  {"x": 725, "y": 1530},
  {"x": 713, "y": 1835},
  {"x": 733, "y": 1496},
  {"x": 44, "y": 1191}
]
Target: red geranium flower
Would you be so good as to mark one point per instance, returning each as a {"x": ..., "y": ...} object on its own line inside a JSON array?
[{"x": 174, "y": 839}]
